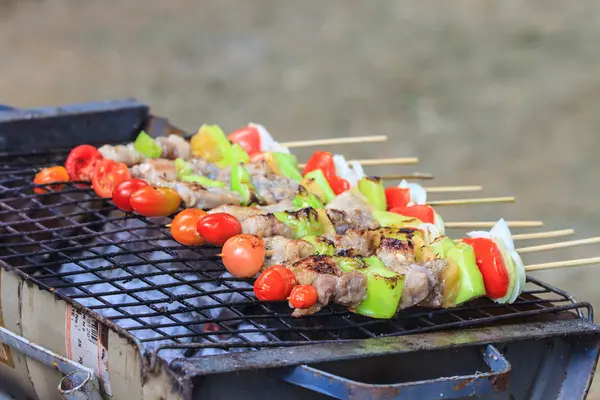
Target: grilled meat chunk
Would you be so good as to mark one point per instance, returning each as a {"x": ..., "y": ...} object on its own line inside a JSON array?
[
  {"x": 354, "y": 242},
  {"x": 174, "y": 146},
  {"x": 266, "y": 225},
  {"x": 324, "y": 274},
  {"x": 126, "y": 154},
  {"x": 351, "y": 219},
  {"x": 286, "y": 251},
  {"x": 152, "y": 170}
]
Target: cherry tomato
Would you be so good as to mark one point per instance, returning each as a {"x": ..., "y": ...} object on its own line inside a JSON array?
[
  {"x": 303, "y": 296},
  {"x": 422, "y": 212},
  {"x": 217, "y": 228},
  {"x": 247, "y": 137},
  {"x": 243, "y": 255},
  {"x": 151, "y": 202},
  {"x": 397, "y": 197},
  {"x": 108, "y": 174},
  {"x": 123, "y": 191},
  {"x": 183, "y": 227},
  {"x": 50, "y": 175},
  {"x": 274, "y": 284},
  {"x": 491, "y": 264},
  {"x": 80, "y": 162}
]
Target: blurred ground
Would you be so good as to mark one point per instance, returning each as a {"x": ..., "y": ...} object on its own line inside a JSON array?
[{"x": 503, "y": 94}]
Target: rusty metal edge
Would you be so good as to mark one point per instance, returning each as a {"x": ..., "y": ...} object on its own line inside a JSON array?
[
  {"x": 336, "y": 351},
  {"x": 133, "y": 341}
]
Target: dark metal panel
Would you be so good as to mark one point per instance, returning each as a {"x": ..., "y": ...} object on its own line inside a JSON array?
[
  {"x": 49, "y": 128},
  {"x": 335, "y": 351}
]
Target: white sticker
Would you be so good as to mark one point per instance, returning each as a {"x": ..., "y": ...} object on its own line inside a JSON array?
[{"x": 87, "y": 344}]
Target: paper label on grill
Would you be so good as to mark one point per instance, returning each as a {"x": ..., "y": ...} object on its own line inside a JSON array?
[{"x": 87, "y": 344}]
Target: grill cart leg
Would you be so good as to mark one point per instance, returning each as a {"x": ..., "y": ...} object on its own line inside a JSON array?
[{"x": 79, "y": 383}]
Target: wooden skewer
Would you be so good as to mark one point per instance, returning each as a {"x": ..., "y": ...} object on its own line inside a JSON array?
[
  {"x": 559, "y": 245},
  {"x": 543, "y": 235},
  {"x": 482, "y": 200},
  {"x": 334, "y": 141},
  {"x": 486, "y": 224},
  {"x": 563, "y": 264},
  {"x": 383, "y": 161},
  {"x": 453, "y": 189},
  {"x": 415, "y": 176}
]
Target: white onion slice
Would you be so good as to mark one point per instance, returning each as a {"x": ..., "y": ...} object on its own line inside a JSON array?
[
  {"x": 439, "y": 223},
  {"x": 431, "y": 232},
  {"x": 343, "y": 170},
  {"x": 358, "y": 170},
  {"x": 418, "y": 195},
  {"x": 267, "y": 143}
]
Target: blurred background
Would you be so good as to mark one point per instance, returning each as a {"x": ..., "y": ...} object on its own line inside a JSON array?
[{"x": 502, "y": 94}]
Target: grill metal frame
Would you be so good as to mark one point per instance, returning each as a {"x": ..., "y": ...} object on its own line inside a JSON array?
[{"x": 37, "y": 236}]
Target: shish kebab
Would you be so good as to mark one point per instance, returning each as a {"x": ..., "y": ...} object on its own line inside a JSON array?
[{"x": 380, "y": 272}]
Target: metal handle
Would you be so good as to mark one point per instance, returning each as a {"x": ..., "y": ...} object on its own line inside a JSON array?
[{"x": 442, "y": 388}]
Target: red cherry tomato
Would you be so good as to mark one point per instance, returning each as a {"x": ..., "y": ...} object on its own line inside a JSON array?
[
  {"x": 303, "y": 296},
  {"x": 274, "y": 284},
  {"x": 50, "y": 175},
  {"x": 422, "y": 212},
  {"x": 492, "y": 267},
  {"x": 183, "y": 227},
  {"x": 217, "y": 228},
  {"x": 151, "y": 202},
  {"x": 108, "y": 174},
  {"x": 80, "y": 162},
  {"x": 123, "y": 191},
  {"x": 243, "y": 255},
  {"x": 397, "y": 197},
  {"x": 247, "y": 137}
]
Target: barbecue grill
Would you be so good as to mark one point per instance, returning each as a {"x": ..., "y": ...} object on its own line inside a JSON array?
[{"x": 97, "y": 302}]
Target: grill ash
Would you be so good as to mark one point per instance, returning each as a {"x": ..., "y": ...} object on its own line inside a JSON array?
[{"x": 155, "y": 298}]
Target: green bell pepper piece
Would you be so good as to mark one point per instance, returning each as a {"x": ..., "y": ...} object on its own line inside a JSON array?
[
  {"x": 202, "y": 181},
  {"x": 303, "y": 222},
  {"x": 285, "y": 165},
  {"x": 183, "y": 168},
  {"x": 372, "y": 188},
  {"x": 235, "y": 155},
  {"x": 471, "y": 281},
  {"x": 316, "y": 183},
  {"x": 321, "y": 246},
  {"x": 146, "y": 145},
  {"x": 306, "y": 199},
  {"x": 389, "y": 219},
  {"x": 441, "y": 245},
  {"x": 241, "y": 182},
  {"x": 384, "y": 290},
  {"x": 384, "y": 287}
]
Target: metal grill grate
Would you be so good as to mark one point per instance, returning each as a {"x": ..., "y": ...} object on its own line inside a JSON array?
[{"x": 128, "y": 269}]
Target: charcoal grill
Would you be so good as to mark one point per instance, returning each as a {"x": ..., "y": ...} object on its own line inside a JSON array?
[{"x": 87, "y": 290}]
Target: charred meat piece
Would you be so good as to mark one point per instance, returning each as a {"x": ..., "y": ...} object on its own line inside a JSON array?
[
  {"x": 354, "y": 242},
  {"x": 152, "y": 170},
  {"x": 126, "y": 154},
  {"x": 351, "y": 219},
  {"x": 174, "y": 146},
  {"x": 266, "y": 225},
  {"x": 332, "y": 285},
  {"x": 286, "y": 251}
]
